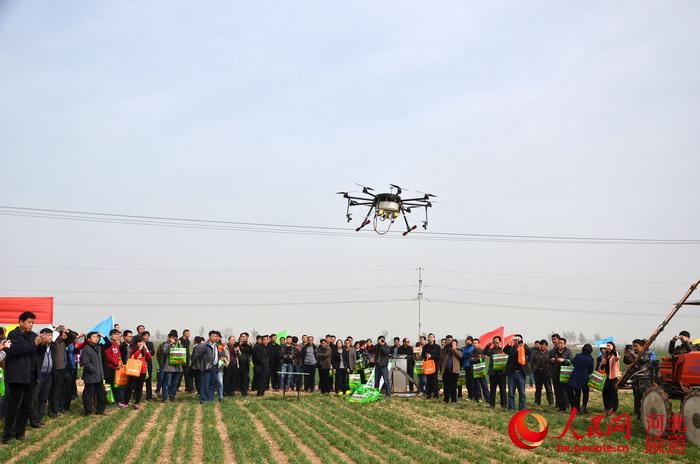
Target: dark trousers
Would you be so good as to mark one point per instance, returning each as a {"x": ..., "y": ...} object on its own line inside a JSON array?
[
  {"x": 449, "y": 385},
  {"x": 244, "y": 379},
  {"x": 309, "y": 379},
  {"x": 585, "y": 392},
  {"x": 135, "y": 389},
  {"x": 480, "y": 387},
  {"x": 55, "y": 395},
  {"x": 497, "y": 381},
  {"x": 560, "y": 395},
  {"x": 40, "y": 398},
  {"x": 324, "y": 381},
  {"x": 431, "y": 386},
  {"x": 230, "y": 379},
  {"x": 67, "y": 390},
  {"x": 149, "y": 382},
  {"x": 189, "y": 381},
  {"x": 274, "y": 376},
  {"x": 196, "y": 376},
  {"x": 19, "y": 407},
  {"x": 261, "y": 376},
  {"x": 543, "y": 379},
  {"x": 468, "y": 382},
  {"x": 574, "y": 395},
  {"x": 94, "y": 392},
  {"x": 341, "y": 380},
  {"x": 610, "y": 399}
]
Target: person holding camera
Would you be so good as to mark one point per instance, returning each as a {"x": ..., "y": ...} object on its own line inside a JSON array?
[
  {"x": 685, "y": 346},
  {"x": 3, "y": 345},
  {"x": 21, "y": 375},
  {"x": 516, "y": 370},
  {"x": 381, "y": 364},
  {"x": 450, "y": 364}
]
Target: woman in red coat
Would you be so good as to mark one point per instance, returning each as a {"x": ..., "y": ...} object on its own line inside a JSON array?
[{"x": 138, "y": 351}]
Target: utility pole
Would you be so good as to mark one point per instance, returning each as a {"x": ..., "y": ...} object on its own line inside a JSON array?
[{"x": 420, "y": 297}]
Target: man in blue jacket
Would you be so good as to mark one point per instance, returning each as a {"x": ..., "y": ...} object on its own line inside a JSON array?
[{"x": 467, "y": 351}]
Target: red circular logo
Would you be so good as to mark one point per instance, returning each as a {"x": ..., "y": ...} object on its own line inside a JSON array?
[{"x": 521, "y": 435}]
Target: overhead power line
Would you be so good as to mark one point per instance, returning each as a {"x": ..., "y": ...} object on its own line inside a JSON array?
[
  {"x": 188, "y": 269},
  {"x": 296, "y": 229},
  {"x": 101, "y": 305},
  {"x": 580, "y": 312},
  {"x": 538, "y": 276},
  {"x": 203, "y": 292},
  {"x": 531, "y": 295}
]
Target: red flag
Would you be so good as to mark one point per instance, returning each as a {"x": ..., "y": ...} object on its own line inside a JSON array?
[
  {"x": 11, "y": 307},
  {"x": 487, "y": 338},
  {"x": 507, "y": 339}
]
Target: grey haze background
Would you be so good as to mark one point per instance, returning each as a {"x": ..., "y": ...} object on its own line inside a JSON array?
[{"x": 524, "y": 117}]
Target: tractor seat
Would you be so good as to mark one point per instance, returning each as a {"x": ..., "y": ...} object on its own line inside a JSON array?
[{"x": 667, "y": 358}]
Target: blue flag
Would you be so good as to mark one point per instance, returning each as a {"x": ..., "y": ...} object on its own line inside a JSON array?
[
  {"x": 604, "y": 341},
  {"x": 103, "y": 327}
]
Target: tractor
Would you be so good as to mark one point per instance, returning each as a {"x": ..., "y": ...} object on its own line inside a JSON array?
[{"x": 672, "y": 377}]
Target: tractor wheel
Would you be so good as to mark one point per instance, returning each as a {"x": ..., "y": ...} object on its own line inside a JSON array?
[
  {"x": 690, "y": 410},
  {"x": 655, "y": 402}
]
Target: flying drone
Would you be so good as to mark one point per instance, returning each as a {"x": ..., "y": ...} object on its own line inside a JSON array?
[{"x": 387, "y": 207}]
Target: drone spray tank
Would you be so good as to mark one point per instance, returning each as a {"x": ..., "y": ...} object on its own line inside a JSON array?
[{"x": 388, "y": 209}]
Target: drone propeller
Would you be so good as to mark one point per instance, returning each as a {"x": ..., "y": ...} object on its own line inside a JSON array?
[
  {"x": 398, "y": 189},
  {"x": 363, "y": 187},
  {"x": 427, "y": 195}
]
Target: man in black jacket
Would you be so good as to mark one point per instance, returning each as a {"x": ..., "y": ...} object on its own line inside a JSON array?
[
  {"x": 559, "y": 356},
  {"x": 497, "y": 378},
  {"x": 381, "y": 364},
  {"x": 407, "y": 350},
  {"x": 431, "y": 350},
  {"x": 261, "y": 365},
  {"x": 46, "y": 357},
  {"x": 539, "y": 363},
  {"x": 21, "y": 375},
  {"x": 93, "y": 375},
  {"x": 309, "y": 361},
  {"x": 185, "y": 374},
  {"x": 245, "y": 353}
]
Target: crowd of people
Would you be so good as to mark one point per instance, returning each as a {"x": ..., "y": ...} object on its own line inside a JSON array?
[{"x": 41, "y": 370}]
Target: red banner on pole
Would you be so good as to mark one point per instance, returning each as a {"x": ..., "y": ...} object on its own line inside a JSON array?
[{"x": 12, "y": 306}]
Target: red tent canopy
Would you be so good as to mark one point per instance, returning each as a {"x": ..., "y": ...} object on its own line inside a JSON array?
[{"x": 12, "y": 306}]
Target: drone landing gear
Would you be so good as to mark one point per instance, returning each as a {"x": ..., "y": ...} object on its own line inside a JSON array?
[
  {"x": 408, "y": 228},
  {"x": 366, "y": 221}
]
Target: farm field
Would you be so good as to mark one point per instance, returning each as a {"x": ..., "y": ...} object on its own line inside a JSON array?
[{"x": 316, "y": 429}]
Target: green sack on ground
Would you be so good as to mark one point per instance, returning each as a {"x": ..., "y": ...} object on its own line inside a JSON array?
[
  {"x": 479, "y": 370},
  {"x": 565, "y": 373},
  {"x": 365, "y": 395},
  {"x": 355, "y": 381},
  {"x": 109, "y": 395},
  {"x": 597, "y": 380},
  {"x": 2, "y": 382},
  {"x": 499, "y": 361}
]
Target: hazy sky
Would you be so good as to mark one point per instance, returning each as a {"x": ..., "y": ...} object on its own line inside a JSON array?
[{"x": 548, "y": 118}]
